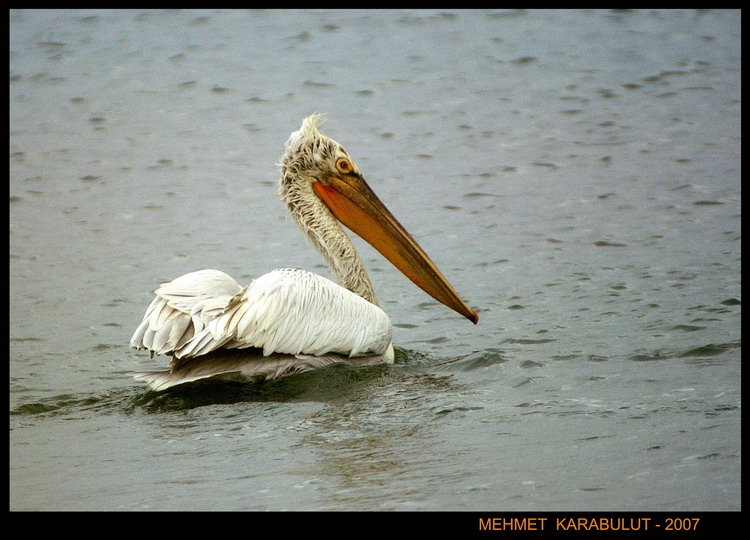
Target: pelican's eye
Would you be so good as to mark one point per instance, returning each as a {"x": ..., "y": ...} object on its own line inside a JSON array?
[{"x": 344, "y": 165}]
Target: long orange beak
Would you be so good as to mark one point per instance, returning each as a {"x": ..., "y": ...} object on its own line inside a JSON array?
[{"x": 355, "y": 205}]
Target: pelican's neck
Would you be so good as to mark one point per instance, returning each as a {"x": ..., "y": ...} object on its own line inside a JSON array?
[{"x": 325, "y": 233}]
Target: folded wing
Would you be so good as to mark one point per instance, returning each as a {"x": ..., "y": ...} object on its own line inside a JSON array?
[
  {"x": 287, "y": 311},
  {"x": 182, "y": 308}
]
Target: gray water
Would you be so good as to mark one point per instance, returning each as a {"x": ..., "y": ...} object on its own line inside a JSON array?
[{"x": 575, "y": 174}]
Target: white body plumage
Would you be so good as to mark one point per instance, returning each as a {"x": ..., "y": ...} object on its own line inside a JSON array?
[{"x": 287, "y": 311}]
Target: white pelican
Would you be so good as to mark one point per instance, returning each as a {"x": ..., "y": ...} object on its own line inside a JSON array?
[{"x": 289, "y": 320}]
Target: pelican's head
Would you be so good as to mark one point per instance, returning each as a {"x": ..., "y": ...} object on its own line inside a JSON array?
[
  {"x": 320, "y": 180},
  {"x": 313, "y": 156}
]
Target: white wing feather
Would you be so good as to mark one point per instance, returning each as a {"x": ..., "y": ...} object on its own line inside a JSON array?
[
  {"x": 182, "y": 308},
  {"x": 287, "y": 311},
  {"x": 291, "y": 311}
]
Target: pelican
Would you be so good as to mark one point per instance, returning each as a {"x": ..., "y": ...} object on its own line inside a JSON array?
[{"x": 290, "y": 320}]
